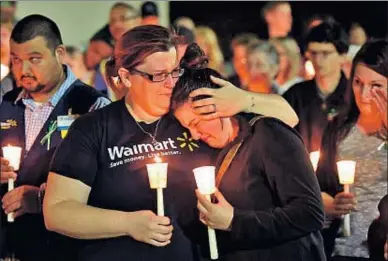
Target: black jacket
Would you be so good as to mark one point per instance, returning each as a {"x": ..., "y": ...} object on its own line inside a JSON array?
[{"x": 276, "y": 198}]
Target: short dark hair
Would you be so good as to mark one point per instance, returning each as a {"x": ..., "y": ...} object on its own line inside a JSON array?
[
  {"x": 196, "y": 76},
  {"x": 149, "y": 9},
  {"x": 325, "y": 18},
  {"x": 271, "y": 5},
  {"x": 328, "y": 32},
  {"x": 35, "y": 25}
]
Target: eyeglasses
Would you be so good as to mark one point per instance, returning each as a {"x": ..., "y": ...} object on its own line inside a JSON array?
[
  {"x": 159, "y": 77},
  {"x": 324, "y": 54}
]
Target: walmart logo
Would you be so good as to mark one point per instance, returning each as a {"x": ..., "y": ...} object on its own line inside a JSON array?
[{"x": 187, "y": 142}]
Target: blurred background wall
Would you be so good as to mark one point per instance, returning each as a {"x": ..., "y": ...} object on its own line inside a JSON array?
[{"x": 79, "y": 20}]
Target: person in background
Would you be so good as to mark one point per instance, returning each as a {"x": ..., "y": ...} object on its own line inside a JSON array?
[
  {"x": 149, "y": 13},
  {"x": 360, "y": 133},
  {"x": 263, "y": 66},
  {"x": 6, "y": 79},
  {"x": 308, "y": 70},
  {"x": 278, "y": 17},
  {"x": 122, "y": 17},
  {"x": 239, "y": 47},
  {"x": 378, "y": 233},
  {"x": 7, "y": 13},
  {"x": 357, "y": 35},
  {"x": 28, "y": 115},
  {"x": 109, "y": 205},
  {"x": 75, "y": 60},
  {"x": 271, "y": 165},
  {"x": 290, "y": 63},
  {"x": 100, "y": 47},
  {"x": 185, "y": 22},
  {"x": 319, "y": 100},
  {"x": 207, "y": 39},
  {"x": 185, "y": 37}
]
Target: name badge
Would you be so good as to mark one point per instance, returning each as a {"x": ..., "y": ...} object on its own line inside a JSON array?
[{"x": 64, "y": 122}]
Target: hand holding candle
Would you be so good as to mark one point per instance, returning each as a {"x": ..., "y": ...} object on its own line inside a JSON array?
[
  {"x": 346, "y": 171},
  {"x": 205, "y": 179},
  {"x": 13, "y": 155},
  {"x": 157, "y": 175}
]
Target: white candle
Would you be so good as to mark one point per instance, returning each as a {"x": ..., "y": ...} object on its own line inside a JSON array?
[
  {"x": 157, "y": 176},
  {"x": 205, "y": 179},
  {"x": 314, "y": 158},
  {"x": 4, "y": 70},
  {"x": 346, "y": 171},
  {"x": 12, "y": 154},
  {"x": 10, "y": 217}
]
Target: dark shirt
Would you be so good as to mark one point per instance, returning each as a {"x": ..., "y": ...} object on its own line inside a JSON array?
[
  {"x": 27, "y": 236},
  {"x": 109, "y": 152},
  {"x": 313, "y": 110},
  {"x": 314, "y": 114},
  {"x": 276, "y": 198}
]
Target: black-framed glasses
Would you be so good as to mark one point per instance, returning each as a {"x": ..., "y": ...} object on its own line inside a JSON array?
[{"x": 159, "y": 77}]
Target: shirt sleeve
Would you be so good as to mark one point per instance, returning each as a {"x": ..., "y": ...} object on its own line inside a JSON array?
[
  {"x": 77, "y": 155},
  {"x": 293, "y": 183}
]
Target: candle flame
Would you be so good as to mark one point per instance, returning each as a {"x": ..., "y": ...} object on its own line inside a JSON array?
[{"x": 158, "y": 159}]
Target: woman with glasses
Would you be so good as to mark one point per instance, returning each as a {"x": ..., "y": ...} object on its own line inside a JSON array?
[{"x": 98, "y": 189}]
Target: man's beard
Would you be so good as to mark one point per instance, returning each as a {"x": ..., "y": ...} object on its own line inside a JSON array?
[{"x": 34, "y": 89}]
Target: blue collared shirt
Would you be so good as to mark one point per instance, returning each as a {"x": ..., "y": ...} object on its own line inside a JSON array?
[{"x": 36, "y": 114}]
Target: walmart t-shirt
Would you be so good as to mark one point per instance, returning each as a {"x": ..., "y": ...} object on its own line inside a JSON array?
[{"x": 108, "y": 151}]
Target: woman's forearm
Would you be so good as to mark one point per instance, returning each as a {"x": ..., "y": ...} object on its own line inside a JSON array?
[
  {"x": 81, "y": 221},
  {"x": 272, "y": 105}
]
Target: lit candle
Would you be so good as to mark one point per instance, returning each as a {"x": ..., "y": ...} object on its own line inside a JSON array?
[
  {"x": 4, "y": 70},
  {"x": 12, "y": 154},
  {"x": 346, "y": 171},
  {"x": 310, "y": 72},
  {"x": 314, "y": 157},
  {"x": 205, "y": 179},
  {"x": 157, "y": 175}
]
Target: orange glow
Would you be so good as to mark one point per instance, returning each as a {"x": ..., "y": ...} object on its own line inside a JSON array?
[{"x": 158, "y": 159}]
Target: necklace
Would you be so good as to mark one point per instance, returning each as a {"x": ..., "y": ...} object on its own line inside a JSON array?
[{"x": 153, "y": 137}]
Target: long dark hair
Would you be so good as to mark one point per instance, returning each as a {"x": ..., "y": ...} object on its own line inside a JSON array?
[{"x": 374, "y": 55}]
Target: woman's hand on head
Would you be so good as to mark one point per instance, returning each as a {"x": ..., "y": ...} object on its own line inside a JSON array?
[
  {"x": 224, "y": 102},
  {"x": 145, "y": 226}
]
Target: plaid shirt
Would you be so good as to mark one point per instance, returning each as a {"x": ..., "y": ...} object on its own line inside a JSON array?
[{"x": 37, "y": 114}]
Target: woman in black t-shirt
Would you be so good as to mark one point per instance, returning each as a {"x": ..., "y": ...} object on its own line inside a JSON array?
[
  {"x": 269, "y": 205},
  {"x": 98, "y": 187}
]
